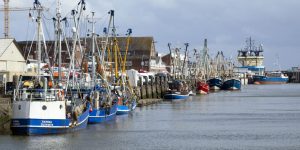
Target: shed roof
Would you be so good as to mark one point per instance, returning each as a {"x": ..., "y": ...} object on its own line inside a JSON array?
[{"x": 4, "y": 45}]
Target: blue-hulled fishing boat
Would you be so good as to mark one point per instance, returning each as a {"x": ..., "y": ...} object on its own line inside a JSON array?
[
  {"x": 173, "y": 96},
  {"x": 39, "y": 110},
  {"x": 42, "y": 105},
  {"x": 103, "y": 101},
  {"x": 126, "y": 102},
  {"x": 103, "y": 106},
  {"x": 231, "y": 84},
  {"x": 99, "y": 115},
  {"x": 215, "y": 83},
  {"x": 125, "y": 109},
  {"x": 178, "y": 90}
]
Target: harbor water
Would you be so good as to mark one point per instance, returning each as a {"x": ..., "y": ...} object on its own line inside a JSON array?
[{"x": 257, "y": 117}]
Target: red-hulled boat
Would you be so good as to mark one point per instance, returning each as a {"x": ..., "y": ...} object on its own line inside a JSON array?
[{"x": 202, "y": 87}]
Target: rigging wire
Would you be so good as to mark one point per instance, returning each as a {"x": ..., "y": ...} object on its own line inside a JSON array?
[{"x": 27, "y": 35}]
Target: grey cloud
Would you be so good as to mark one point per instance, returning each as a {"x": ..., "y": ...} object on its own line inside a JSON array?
[{"x": 226, "y": 23}]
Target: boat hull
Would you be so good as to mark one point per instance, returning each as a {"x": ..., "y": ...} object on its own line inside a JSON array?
[
  {"x": 102, "y": 115},
  {"x": 232, "y": 84},
  {"x": 175, "y": 97},
  {"x": 214, "y": 84},
  {"x": 202, "y": 88},
  {"x": 269, "y": 80},
  {"x": 48, "y": 126},
  {"x": 123, "y": 109}
]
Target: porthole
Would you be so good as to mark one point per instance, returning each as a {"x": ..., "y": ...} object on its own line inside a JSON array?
[
  {"x": 60, "y": 106},
  {"x": 44, "y": 107}
]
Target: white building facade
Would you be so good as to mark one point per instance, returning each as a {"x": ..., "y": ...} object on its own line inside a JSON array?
[{"x": 12, "y": 61}]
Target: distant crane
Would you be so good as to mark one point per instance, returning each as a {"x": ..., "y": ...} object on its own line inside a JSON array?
[{"x": 6, "y": 11}]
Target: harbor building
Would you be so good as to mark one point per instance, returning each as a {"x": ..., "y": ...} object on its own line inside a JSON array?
[
  {"x": 12, "y": 61},
  {"x": 141, "y": 53},
  {"x": 294, "y": 75}
]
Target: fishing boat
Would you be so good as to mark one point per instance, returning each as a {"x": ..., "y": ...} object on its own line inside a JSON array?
[
  {"x": 215, "y": 83},
  {"x": 126, "y": 100},
  {"x": 103, "y": 114},
  {"x": 231, "y": 84},
  {"x": 121, "y": 88},
  {"x": 178, "y": 90},
  {"x": 275, "y": 77},
  {"x": 42, "y": 105},
  {"x": 103, "y": 102},
  {"x": 218, "y": 64},
  {"x": 42, "y": 111},
  {"x": 103, "y": 106},
  {"x": 125, "y": 108},
  {"x": 204, "y": 71},
  {"x": 202, "y": 87}
]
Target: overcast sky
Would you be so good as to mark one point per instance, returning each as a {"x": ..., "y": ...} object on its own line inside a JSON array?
[{"x": 225, "y": 23}]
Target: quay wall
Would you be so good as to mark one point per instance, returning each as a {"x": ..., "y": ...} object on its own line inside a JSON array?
[
  {"x": 5, "y": 113},
  {"x": 152, "y": 90},
  {"x": 294, "y": 76}
]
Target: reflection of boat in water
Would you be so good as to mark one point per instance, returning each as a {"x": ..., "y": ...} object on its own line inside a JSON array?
[
  {"x": 271, "y": 78},
  {"x": 178, "y": 90}
]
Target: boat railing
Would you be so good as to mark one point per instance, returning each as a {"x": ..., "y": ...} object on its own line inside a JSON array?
[{"x": 38, "y": 94}]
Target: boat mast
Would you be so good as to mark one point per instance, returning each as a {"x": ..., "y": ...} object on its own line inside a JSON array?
[
  {"x": 171, "y": 59},
  {"x": 59, "y": 38},
  {"x": 205, "y": 60},
  {"x": 106, "y": 31},
  {"x": 93, "y": 49},
  {"x": 75, "y": 37},
  {"x": 115, "y": 48},
  {"x": 129, "y": 31},
  {"x": 185, "y": 55},
  {"x": 39, "y": 8}
]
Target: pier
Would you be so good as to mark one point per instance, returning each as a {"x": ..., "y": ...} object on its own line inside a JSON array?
[{"x": 294, "y": 76}]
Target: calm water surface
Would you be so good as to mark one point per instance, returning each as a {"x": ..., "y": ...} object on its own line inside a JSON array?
[{"x": 258, "y": 117}]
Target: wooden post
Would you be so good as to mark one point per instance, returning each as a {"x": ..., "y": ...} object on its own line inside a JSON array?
[
  {"x": 141, "y": 87},
  {"x": 157, "y": 87},
  {"x": 153, "y": 91},
  {"x": 146, "y": 87},
  {"x": 160, "y": 86}
]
